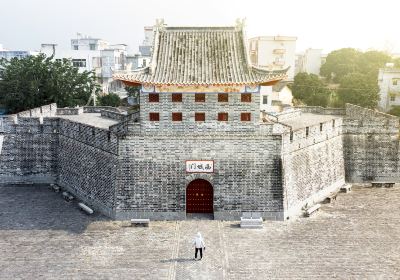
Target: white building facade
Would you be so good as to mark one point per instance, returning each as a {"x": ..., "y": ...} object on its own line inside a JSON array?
[
  {"x": 273, "y": 53},
  {"x": 143, "y": 58},
  {"x": 389, "y": 87},
  {"x": 309, "y": 62},
  {"x": 90, "y": 54}
]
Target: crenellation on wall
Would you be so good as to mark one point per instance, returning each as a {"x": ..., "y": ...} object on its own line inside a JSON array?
[
  {"x": 70, "y": 111},
  {"x": 90, "y": 135},
  {"x": 43, "y": 111}
]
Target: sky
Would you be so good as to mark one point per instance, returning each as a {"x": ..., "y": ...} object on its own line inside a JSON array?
[{"x": 323, "y": 24}]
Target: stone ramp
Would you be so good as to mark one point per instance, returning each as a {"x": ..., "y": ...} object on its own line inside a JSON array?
[{"x": 212, "y": 266}]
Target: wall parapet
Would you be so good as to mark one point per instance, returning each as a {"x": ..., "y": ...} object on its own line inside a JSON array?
[
  {"x": 98, "y": 109},
  {"x": 322, "y": 110},
  {"x": 43, "y": 111},
  {"x": 113, "y": 115},
  {"x": 70, "y": 111}
]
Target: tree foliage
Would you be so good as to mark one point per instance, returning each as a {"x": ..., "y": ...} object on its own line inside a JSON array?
[
  {"x": 395, "y": 111},
  {"x": 133, "y": 91},
  {"x": 358, "y": 89},
  {"x": 310, "y": 89},
  {"x": 38, "y": 80},
  {"x": 341, "y": 62},
  {"x": 110, "y": 99}
]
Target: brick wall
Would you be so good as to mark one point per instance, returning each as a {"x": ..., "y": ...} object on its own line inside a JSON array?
[
  {"x": 313, "y": 165},
  {"x": 371, "y": 145},
  {"x": 152, "y": 179},
  {"x": 87, "y": 161},
  {"x": 29, "y": 149},
  {"x": 211, "y": 107}
]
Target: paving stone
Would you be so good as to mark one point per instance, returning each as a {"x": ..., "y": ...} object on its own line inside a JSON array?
[{"x": 44, "y": 237}]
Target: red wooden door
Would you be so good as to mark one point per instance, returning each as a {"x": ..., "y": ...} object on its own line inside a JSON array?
[{"x": 199, "y": 197}]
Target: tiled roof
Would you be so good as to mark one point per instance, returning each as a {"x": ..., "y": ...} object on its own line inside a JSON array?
[{"x": 200, "y": 56}]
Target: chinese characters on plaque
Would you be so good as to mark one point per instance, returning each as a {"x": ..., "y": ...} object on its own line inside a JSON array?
[{"x": 200, "y": 166}]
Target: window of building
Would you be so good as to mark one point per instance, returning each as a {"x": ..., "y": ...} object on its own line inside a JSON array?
[
  {"x": 154, "y": 97},
  {"x": 223, "y": 97},
  {"x": 154, "y": 117},
  {"x": 176, "y": 117},
  {"x": 320, "y": 126},
  {"x": 291, "y": 136},
  {"x": 200, "y": 97},
  {"x": 333, "y": 123},
  {"x": 199, "y": 117},
  {"x": 392, "y": 98},
  {"x": 265, "y": 99},
  {"x": 92, "y": 47},
  {"x": 307, "y": 131},
  {"x": 394, "y": 82},
  {"x": 176, "y": 97},
  {"x": 75, "y": 47},
  {"x": 245, "y": 97},
  {"x": 223, "y": 117},
  {"x": 79, "y": 62},
  {"x": 245, "y": 117}
]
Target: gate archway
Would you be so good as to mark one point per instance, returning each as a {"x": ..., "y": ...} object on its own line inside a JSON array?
[{"x": 199, "y": 197}]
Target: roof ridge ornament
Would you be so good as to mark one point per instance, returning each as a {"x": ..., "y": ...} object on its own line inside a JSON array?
[
  {"x": 240, "y": 24},
  {"x": 160, "y": 25}
]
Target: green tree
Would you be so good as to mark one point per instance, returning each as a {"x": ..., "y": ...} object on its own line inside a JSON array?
[
  {"x": 110, "y": 99},
  {"x": 339, "y": 63},
  {"x": 310, "y": 89},
  {"x": 370, "y": 62},
  {"x": 358, "y": 89},
  {"x": 396, "y": 62},
  {"x": 395, "y": 111},
  {"x": 38, "y": 80},
  {"x": 133, "y": 91}
]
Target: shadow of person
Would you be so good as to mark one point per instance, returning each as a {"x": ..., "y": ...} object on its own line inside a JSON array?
[{"x": 179, "y": 260}]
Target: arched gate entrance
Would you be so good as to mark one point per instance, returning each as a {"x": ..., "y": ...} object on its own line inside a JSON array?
[{"x": 199, "y": 197}]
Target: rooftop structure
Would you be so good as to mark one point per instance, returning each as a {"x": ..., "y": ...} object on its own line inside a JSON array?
[{"x": 200, "y": 56}]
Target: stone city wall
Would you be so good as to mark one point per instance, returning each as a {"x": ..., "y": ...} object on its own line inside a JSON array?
[
  {"x": 321, "y": 110},
  {"x": 28, "y": 150},
  {"x": 152, "y": 180},
  {"x": 87, "y": 161},
  {"x": 80, "y": 158},
  {"x": 43, "y": 111},
  {"x": 371, "y": 145},
  {"x": 313, "y": 165},
  {"x": 113, "y": 115},
  {"x": 70, "y": 111}
]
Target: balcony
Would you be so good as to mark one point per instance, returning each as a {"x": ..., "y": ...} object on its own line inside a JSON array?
[{"x": 279, "y": 51}]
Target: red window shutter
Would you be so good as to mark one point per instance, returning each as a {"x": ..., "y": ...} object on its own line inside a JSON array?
[
  {"x": 223, "y": 97},
  {"x": 154, "y": 97},
  {"x": 176, "y": 117},
  {"x": 200, "y": 97},
  {"x": 245, "y": 117},
  {"x": 154, "y": 117},
  {"x": 199, "y": 117},
  {"x": 177, "y": 97},
  {"x": 222, "y": 117},
  {"x": 245, "y": 97}
]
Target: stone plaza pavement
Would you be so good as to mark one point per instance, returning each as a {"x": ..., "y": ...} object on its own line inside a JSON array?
[{"x": 44, "y": 237}]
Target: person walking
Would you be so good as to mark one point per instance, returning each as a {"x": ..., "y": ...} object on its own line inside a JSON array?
[{"x": 199, "y": 245}]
